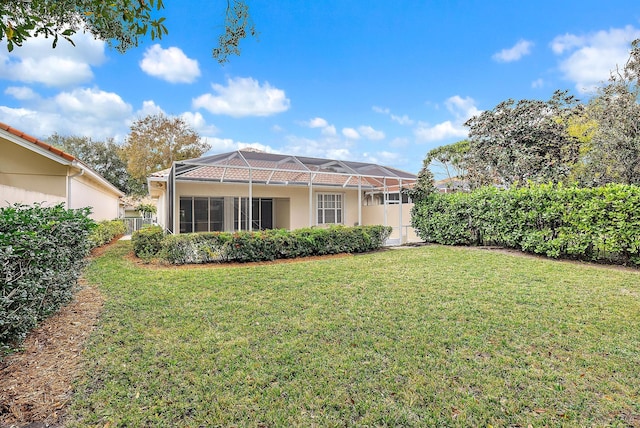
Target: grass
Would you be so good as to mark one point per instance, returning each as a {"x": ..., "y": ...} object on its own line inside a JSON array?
[{"x": 432, "y": 336}]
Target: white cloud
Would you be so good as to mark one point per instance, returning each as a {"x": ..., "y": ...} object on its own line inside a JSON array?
[
  {"x": 322, "y": 148},
  {"x": 385, "y": 158},
  {"x": 92, "y": 103},
  {"x": 538, "y": 83},
  {"x": 221, "y": 145},
  {"x": 592, "y": 57},
  {"x": 350, "y": 133},
  {"x": 402, "y": 120},
  {"x": 520, "y": 49},
  {"x": 462, "y": 108},
  {"x": 169, "y": 64},
  {"x": 198, "y": 123},
  {"x": 21, "y": 93},
  {"x": 329, "y": 131},
  {"x": 317, "y": 122},
  {"x": 66, "y": 65},
  {"x": 244, "y": 97},
  {"x": 87, "y": 112},
  {"x": 370, "y": 133},
  {"x": 441, "y": 131},
  {"x": 149, "y": 107}
]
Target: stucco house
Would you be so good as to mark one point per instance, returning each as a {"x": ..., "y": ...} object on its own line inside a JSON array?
[
  {"x": 33, "y": 171},
  {"x": 253, "y": 190}
]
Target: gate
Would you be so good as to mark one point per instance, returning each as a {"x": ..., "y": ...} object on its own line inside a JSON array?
[{"x": 136, "y": 223}]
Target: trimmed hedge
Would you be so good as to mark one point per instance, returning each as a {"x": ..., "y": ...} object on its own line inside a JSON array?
[
  {"x": 268, "y": 244},
  {"x": 106, "y": 231},
  {"x": 147, "y": 242},
  {"x": 595, "y": 224},
  {"x": 42, "y": 253}
]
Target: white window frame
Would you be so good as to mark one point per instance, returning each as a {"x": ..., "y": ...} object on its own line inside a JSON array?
[{"x": 339, "y": 207}]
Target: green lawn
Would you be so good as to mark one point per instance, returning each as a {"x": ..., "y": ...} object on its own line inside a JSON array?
[{"x": 418, "y": 337}]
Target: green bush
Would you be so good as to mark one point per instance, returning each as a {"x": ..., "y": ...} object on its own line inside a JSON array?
[
  {"x": 194, "y": 248},
  {"x": 106, "y": 231},
  {"x": 597, "y": 224},
  {"x": 147, "y": 242},
  {"x": 42, "y": 253},
  {"x": 271, "y": 244}
]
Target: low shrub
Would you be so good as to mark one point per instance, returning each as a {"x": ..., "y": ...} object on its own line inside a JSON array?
[
  {"x": 147, "y": 242},
  {"x": 595, "y": 224},
  {"x": 194, "y": 248},
  {"x": 42, "y": 253},
  {"x": 267, "y": 245},
  {"x": 105, "y": 231}
]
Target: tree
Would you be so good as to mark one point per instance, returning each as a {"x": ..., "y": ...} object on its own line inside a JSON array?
[
  {"x": 425, "y": 185},
  {"x": 121, "y": 23},
  {"x": 522, "y": 141},
  {"x": 614, "y": 151},
  {"x": 155, "y": 141},
  {"x": 101, "y": 156},
  {"x": 451, "y": 157}
]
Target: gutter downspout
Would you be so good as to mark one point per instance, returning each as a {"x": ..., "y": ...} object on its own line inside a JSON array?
[{"x": 69, "y": 177}]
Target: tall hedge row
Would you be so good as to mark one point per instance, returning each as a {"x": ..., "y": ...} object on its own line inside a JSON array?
[
  {"x": 42, "y": 252},
  {"x": 596, "y": 224},
  {"x": 257, "y": 246}
]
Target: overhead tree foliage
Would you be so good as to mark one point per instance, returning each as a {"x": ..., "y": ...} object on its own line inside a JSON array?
[
  {"x": 521, "y": 141},
  {"x": 120, "y": 23},
  {"x": 156, "y": 141},
  {"x": 103, "y": 157}
]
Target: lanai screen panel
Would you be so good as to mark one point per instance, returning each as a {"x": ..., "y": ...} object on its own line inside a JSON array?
[{"x": 270, "y": 168}]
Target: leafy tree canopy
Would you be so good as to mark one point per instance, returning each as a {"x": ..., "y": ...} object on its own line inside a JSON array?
[
  {"x": 121, "y": 23},
  {"x": 520, "y": 141},
  {"x": 614, "y": 150},
  {"x": 103, "y": 157},
  {"x": 451, "y": 157},
  {"x": 156, "y": 141}
]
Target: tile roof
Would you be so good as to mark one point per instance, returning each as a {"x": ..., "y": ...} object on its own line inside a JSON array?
[
  {"x": 37, "y": 142},
  {"x": 269, "y": 168}
]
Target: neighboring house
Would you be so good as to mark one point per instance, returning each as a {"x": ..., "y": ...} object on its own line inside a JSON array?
[
  {"x": 253, "y": 190},
  {"x": 34, "y": 171},
  {"x": 453, "y": 184}
]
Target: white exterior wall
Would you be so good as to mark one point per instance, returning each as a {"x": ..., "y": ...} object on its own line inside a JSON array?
[{"x": 85, "y": 192}]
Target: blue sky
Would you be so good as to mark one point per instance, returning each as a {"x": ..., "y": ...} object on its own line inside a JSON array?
[{"x": 375, "y": 81}]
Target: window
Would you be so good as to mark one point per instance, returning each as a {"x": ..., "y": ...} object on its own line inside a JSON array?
[
  {"x": 201, "y": 214},
  {"x": 394, "y": 198},
  {"x": 330, "y": 208},
  {"x": 261, "y": 214}
]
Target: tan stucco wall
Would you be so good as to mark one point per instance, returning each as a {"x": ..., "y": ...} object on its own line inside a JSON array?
[
  {"x": 375, "y": 214},
  {"x": 31, "y": 174},
  {"x": 86, "y": 192},
  {"x": 10, "y": 195},
  {"x": 291, "y": 204}
]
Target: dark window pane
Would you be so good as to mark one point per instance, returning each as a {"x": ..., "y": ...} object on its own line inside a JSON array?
[
  {"x": 186, "y": 215},
  {"x": 201, "y": 214},
  {"x": 216, "y": 214}
]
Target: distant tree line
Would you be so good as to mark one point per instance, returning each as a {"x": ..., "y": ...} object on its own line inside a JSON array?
[
  {"x": 153, "y": 143},
  {"x": 561, "y": 140}
]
